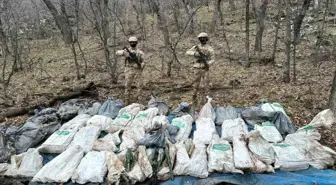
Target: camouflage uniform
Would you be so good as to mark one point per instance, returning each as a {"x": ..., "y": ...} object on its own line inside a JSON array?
[
  {"x": 132, "y": 71},
  {"x": 201, "y": 73}
]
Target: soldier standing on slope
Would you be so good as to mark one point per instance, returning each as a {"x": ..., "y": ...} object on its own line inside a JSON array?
[
  {"x": 204, "y": 57},
  {"x": 134, "y": 63}
]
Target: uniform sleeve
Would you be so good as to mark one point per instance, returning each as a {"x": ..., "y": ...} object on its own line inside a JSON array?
[
  {"x": 191, "y": 51},
  {"x": 142, "y": 58},
  {"x": 120, "y": 53},
  {"x": 212, "y": 56}
]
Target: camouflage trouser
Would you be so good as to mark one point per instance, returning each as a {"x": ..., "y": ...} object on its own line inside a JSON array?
[
  {"x": 201, "y": 84},
  {"x": 131, "y": 74}
]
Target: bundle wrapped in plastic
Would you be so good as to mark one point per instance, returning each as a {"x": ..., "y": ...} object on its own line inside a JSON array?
[
  {"x": 220, "y": 156},
  {"x": 185, "y": 125},
  {"x": 195, "y": 165},
  {"x": 205, "y": 129},
  {"x": 111, "y": 107},
  {"x": 232, "y": 128}
]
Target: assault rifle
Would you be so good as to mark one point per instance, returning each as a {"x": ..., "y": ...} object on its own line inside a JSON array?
[
  {"x": 133, "y": 57},
  {"x": 202, "y": 57}
]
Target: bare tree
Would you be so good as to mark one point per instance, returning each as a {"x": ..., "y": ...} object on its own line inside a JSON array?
[
  {"x": 216, "y": 10},
  {"x": 232, "y": 5},
  {"x": 286, "y": 64},
  {"x": 62, "y": 21},
  {"x": 297, "y": 27},
  {"x": 277, "y": 27},
  {"x": 260, "y": 13},
  {"x": 247, "y": 33}
]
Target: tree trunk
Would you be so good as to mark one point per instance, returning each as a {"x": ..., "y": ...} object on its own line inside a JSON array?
[
  {"x": 176, "y": 15},
  {"x": 73, "y": 47},
  {"x": 187, "y": 9},
  {"x": 260, "y": 14},
  {"x": 61, "y": 20},
  {"x": 286, "y": 64},
  {"x": 247, "y": 33},
  {"x": 332, "y": 98},
  {"x": 277, "y": 30},
  {"x": 3, "y": 38},
  {"x": 215, "y": 16},
  {"x": 165, "y": 32}
]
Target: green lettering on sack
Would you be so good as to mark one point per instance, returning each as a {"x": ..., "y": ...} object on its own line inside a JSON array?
[
  {"x": 267, "y": 124},
  {"x": 141, "y": 115},
  {"x": 222, "y": 147},
  {"x": 308, "y": 127},
  {"x": 282, "y": 145},
  {"x": 178, "y": 123},
  {"x": 64, "y": 132},
  {"x": 277, "y": 105},
  {"x": 125, "y": 115}
]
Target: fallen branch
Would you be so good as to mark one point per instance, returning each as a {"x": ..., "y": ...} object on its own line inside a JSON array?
[{"x": 87, "y": 90}]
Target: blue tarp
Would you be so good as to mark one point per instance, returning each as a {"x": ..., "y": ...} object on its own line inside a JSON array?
[{"x": 311, "y": 176}]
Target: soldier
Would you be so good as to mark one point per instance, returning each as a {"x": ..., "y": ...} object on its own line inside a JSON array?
[
  {"x": 134, "y": 64},
  {"x": 204, "y": 55}
]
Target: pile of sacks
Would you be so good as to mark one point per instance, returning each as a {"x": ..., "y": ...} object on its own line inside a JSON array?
[{"x": 97, "y": 143}]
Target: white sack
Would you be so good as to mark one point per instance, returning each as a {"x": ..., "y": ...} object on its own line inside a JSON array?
[
  {"x": 261, "y": 148},
  {"x": 269, "y": 132},
  {"x": 136, "y": 174},
  {"x": 207, "y": 111},
  {"x": 306, "y": 141},
  {"x": 196, "y": 165},
  {"x": 144, "y": 163},
  {"x": 15, "y": 162},
  {"x": 232, "y": 128},
  {"x": 86, "y": 137},
  {"x": 76, "y": 123},
  {"x": 241, "y": 154},
  {"x": 105, "y": 143},
  {"x": 273, "y": 107},
  {"x": 220, "y": 157},
  {"x": 185, "y": 125},
  {"x": 289, "y": 158},
  {"x": 92, "y": 168},
  {"x": 115, "y": 168},
  {"x": 130, "y": 138},
  {"x": 32, "y": 163},
  {"x": 103, "y": 122},
  {"x": 58, "y": 142},
  {"x": 3, "y": 168},
  {"x": 205, "y": 129},
  {"x": 159, "y": 121},
  {"x": 324, "y": 119},
  {"x": 61, "y": 168},
  {"x": 126, "y": 114},
  {"x": 144, "y": 119},
  {"x": 259, "y": 166}
]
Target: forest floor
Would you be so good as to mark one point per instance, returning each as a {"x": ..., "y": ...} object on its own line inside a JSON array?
[{"x": 302, "y": 99}]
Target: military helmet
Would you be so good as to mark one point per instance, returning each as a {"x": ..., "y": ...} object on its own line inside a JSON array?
[
  {"x": 203, "y": 34},
  {"x": 132, "y": 39}
]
